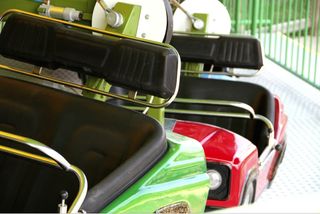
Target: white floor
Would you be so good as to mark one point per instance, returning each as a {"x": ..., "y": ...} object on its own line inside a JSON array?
[{"x": 299, "y": 174}]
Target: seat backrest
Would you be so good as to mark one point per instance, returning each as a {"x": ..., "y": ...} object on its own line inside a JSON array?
[
  {"x": 254, "y": 95},
  {"x": 221, "y": 51},
  {"x": 140, "y": 66}
]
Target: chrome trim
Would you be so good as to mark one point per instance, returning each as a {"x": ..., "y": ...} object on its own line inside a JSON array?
[
  {"x": 235, "y": 104},
  {"x": 83, "y": 188},
  {"x": 63, "y": 163},
  {"x": 225, "y": 73},
  {"x": 165, "y": 103},
  {"x": 208, "y": 113},
  {"x": 271, "y": 144},
  {"x": 55, "y": 159},
  {"x": 226, "y": 114},
  {"x": 268, "y": 123}
]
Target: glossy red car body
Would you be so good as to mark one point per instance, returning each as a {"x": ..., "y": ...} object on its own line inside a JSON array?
[{"x": 225, "y": 147}]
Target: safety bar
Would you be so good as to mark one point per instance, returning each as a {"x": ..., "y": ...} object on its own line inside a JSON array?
[
  {"x": 250, "y": 114},
  {"x": 242, "y": 106},
  {"x": 55, "y": 159},
  {"x": 170, "y": 61}
]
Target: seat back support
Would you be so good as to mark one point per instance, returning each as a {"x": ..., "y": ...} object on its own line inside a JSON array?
[
  {"x": 147, "y": 67},
  {"x": 220, "y": 50}
]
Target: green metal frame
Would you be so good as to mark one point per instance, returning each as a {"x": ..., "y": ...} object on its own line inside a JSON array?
[
  {"x": 190, "y": 65},
  {"x": 86, "y": 6},
  {"x": 289, "y": 30},
  {"x": 131, "y": 15}
]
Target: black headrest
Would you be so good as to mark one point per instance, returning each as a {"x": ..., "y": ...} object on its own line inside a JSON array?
[
  {"x": 223, "y": 51},
  {"x": 135, "y": 65}
]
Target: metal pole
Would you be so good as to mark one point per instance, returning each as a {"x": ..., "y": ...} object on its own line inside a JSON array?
[
  {"x": 294, "y": 48},
  {"x": 276, "y": 21},
  {"x": 312, "y": 33},
  {"x": 306, "y": 30},
  {"x": 317, "y": 15},
  {"x": 283, "y": 14},
  {"x": 237, "y": 17},
  {"x": 288, "y": 27},
  {"x": 317, "y": 30},
  {"x": 255, "y": 10},
  {"x": 298, "y": 71},
  {"x": 272, "y": 8}
]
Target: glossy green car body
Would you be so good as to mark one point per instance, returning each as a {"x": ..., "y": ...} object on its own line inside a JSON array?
[{"x": 180, "y": 176}]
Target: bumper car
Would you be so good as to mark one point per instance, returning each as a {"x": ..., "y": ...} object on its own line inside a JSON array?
[
  {"x": 59, "y": 149},
  {"x": 240, "y": 125}
]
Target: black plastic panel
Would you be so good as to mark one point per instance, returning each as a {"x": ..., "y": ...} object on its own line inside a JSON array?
[
  {"x": 224, "y": 51},
  {"x": 135, "y": 65}
]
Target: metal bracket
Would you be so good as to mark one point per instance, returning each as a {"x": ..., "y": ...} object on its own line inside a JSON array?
[
  {"x": 37, "y": 70},
  {"x": 132, "y": 95}
]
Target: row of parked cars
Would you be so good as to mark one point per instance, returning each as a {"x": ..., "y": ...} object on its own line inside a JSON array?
[{"x": 161, "y": 137}]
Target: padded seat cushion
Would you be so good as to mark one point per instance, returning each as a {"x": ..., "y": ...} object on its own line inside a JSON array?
[
  {"x": 135, "y": 65},
  {"x": 225, "y": 51},
  {"x": 112, "y": 145},
  {"x": 254, "y": 95}
]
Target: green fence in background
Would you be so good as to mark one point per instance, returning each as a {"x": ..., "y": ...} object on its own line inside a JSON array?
[{"x": 289, "y": 31}]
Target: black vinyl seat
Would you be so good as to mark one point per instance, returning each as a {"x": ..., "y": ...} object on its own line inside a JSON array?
[
  {"x": 254, "y": 95},
  {"x": 105, "y": 141}
]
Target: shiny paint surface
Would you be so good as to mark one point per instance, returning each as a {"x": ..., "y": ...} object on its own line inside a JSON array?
[
  {"x": 180, "y": 176},
  {"x": 225, "y": 147}
]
